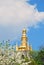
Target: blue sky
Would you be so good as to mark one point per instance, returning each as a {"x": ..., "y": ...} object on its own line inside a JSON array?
[
  {"x": 40, "y": 4},
  {"x": 37, "y": 34},
  {"x": 15, "y": 15}
]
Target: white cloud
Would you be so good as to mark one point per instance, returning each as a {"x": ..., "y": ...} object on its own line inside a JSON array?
[{"x": 19, "y": 14}]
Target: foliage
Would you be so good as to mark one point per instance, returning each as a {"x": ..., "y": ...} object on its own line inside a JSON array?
[
  {"x": 33, "y": 54},
  {"x": 26, "y": 59},
  {"x": 40, "y": 57},
  {"x": 7, "y": 55}
]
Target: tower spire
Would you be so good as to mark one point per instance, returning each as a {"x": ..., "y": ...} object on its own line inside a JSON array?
[
  {"x": 24, "y": 46},
  {"x": 24, "y": 38}
]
